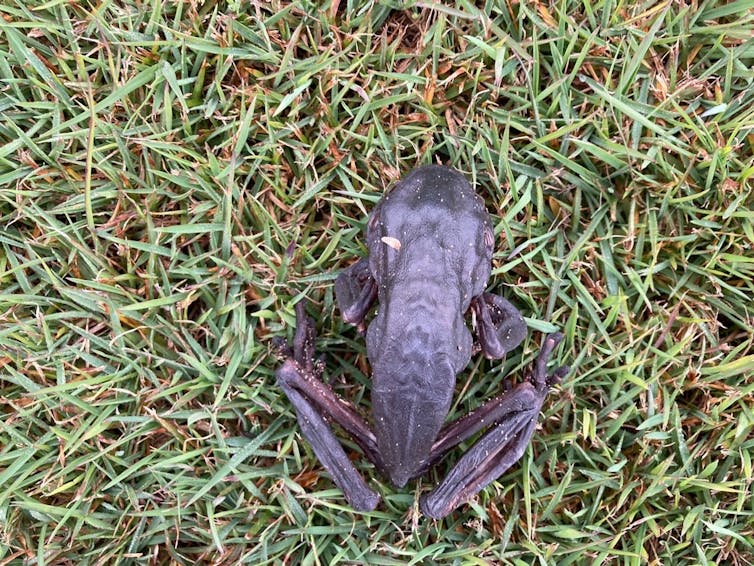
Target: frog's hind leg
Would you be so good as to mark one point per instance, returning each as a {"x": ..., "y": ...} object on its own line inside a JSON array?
[
  {"x": 315, "y": 403},
  {"x": 356, "y": 291},
  {"x": 511, "y": 417},
  {"x": 500, "y": 326}
]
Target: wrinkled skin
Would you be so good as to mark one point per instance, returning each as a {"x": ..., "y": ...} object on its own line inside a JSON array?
[{"x": 430, "y": 244}]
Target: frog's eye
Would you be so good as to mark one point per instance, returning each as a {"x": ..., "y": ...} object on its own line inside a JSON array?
[{"x": 373, "y": 220}]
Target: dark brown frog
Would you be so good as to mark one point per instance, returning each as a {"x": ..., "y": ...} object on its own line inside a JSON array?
[{"x": 430, "y": 246}]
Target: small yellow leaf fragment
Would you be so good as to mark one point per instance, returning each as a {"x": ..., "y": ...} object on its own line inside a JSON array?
[
  {"x": 394, "y": 243},
  {"x": 545, "y": 14}
]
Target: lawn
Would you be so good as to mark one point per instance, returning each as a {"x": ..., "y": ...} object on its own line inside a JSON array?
[{"x": 176, "y": 176}]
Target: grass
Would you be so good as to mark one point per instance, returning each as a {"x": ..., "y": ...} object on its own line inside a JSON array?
[{"x": 175, "y": 176}]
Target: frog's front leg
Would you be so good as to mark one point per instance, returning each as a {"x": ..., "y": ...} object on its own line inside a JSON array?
[
  {"x": 500, "y": 327},
  {"x": 511, "y": 417},
  {"x": 315, "y": 402},
  {"x": 356, "y": 291}
]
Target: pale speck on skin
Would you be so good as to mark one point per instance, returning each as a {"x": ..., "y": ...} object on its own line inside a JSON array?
[{"x": 394, "y": 243}]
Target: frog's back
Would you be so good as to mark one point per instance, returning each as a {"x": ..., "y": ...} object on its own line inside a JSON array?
[{"x": 430, "y": 245}]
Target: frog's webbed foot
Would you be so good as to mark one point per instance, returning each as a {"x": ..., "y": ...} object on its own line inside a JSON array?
[
  {"x": 500, "y": 327},
  {"x": 512, "y": 416},
  {"x": 315, "y": 403},
  {"x": 356, "y": 291}
]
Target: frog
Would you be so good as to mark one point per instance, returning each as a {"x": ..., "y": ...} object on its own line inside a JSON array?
[{"x": 430, "y": 242}]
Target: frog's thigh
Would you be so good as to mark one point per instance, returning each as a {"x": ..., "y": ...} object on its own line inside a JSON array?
[
  {"x": 323, "y": 441},
  {"x": 513, "y": 416},
  {"x": 355, "y": 291},
  {"x": 491, "y": 456},
  {"x": 316, "y": 405},
  {"x": 500, "y": 326}
]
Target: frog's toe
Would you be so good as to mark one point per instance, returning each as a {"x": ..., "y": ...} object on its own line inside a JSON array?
[
  {"x": 303, "y": 341},
  {"x": 557, "y": 376},
  {"x": 553, "y": 340}
]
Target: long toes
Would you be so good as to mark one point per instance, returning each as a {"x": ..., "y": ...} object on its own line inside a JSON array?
[
  {"x": 303, "y": 342},
  {"x": 539, "y": 373},
  {"x": 307, "y": 347},
  {"x": 549, "y": 344},
  {"x": 300, "y": 309},
  {"x": 303, "y": 352}
]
